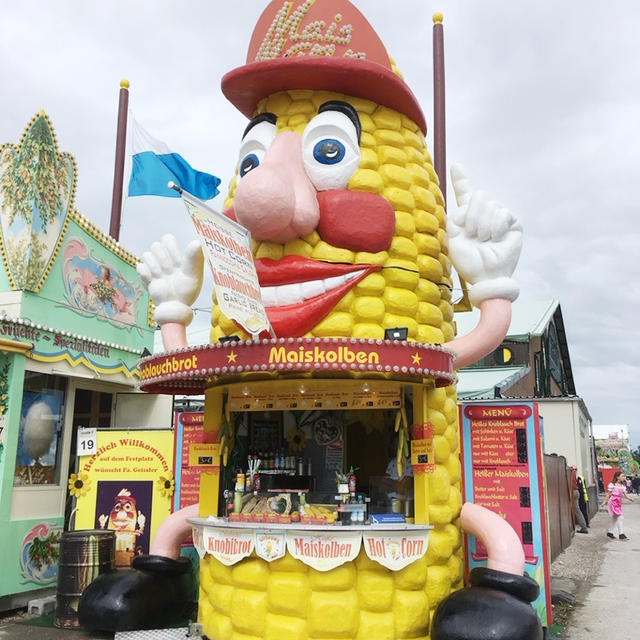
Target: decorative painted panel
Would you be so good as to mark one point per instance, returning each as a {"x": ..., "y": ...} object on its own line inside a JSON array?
[{"x": 37, "y": 185}]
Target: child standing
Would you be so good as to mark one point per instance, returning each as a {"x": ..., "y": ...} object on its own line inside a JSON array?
[{"x": 616, "y": 490}]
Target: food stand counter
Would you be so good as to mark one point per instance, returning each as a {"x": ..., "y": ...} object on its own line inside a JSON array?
[
  {"x": 306, "y": 581},
  {"x": 313, "y": 581}
]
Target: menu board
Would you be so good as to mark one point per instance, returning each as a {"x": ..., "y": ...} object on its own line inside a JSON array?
[
  {"x": 189, "y": 429},
  {"x": 502, "y": 458}
]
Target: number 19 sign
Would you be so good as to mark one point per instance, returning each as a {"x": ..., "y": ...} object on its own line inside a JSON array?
[{"x": 87, "y": 441}]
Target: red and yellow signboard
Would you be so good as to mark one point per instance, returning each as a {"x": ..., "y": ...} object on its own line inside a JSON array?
[{"x": 193, "y": 369}]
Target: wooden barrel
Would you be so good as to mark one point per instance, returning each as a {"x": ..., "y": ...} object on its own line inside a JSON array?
[{"x": 84, "y": 554}]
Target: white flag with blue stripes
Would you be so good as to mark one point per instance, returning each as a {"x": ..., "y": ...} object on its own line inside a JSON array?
[{"x": 153, "y": 165}]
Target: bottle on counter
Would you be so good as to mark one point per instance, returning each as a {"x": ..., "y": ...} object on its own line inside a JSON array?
[
  {"x": 238, "y": 492},
  {"x": 237, "y": 501},
  {"x": 360, "y": 513},
  {"x": 300, "y": 467},
  {"x": 228, "y": 498},
  {"x": 352, "y": 481}
]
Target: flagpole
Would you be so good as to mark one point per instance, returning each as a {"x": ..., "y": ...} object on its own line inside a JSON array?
[
  {"x": 118, "y": 171},
  {"x": 439, "y": 126}
]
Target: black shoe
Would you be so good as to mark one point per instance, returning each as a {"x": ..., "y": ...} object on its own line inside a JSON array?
[
  {"x": 496, "y": 606},
  {"x": 154, "y": 593},
  {"x": 583, "y": 530},
  {"x": 610, "y": 535},
  {"x": 622, "y": 537}
]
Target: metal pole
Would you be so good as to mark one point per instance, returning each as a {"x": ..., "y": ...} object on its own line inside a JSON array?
[
  {"x": 439, "y": 124},
  {"x": 118, "y": 172}
]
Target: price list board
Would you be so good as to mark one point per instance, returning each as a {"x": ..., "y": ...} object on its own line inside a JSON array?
[
  {"x": 189, "y": 430},
  {"x": 307, "y": 395},
  {"x": 503, "y": 471}
]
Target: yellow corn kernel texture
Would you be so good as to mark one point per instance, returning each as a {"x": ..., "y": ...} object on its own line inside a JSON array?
[
  {"x": 356, "y": 601},
  {"x": 396, "y": 165}
]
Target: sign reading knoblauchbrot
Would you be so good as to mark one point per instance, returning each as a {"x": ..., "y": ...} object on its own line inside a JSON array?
[
  {"x": 228, "y": 545},
  {"x": 395, "y": 550}
]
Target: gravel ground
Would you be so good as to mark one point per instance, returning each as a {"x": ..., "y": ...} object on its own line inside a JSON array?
[
  {"x": 580, "y": 563},
  {"x": 581, "y": 560}
]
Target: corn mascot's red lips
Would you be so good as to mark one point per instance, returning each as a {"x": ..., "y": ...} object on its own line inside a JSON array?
[{"x": 298, "y": 292}]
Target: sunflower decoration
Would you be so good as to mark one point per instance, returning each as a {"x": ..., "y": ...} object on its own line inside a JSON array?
[
  {"x": 166, "y": 485},
  {"x": 79, "y": 484},
  {"x": 297, "y": 439}
]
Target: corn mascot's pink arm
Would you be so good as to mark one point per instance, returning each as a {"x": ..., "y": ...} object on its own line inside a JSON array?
[{"x": 496, "y": 605}]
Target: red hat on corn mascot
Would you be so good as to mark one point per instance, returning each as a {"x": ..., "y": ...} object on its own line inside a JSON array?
[{"x": 321, "y": 45}]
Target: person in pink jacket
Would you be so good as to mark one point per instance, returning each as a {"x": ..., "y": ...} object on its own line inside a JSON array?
[{"x": 616, "y": 490}]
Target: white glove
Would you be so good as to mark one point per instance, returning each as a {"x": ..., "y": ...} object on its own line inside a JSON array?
[
  {"x": 173, "y": 278},
  {"x": 485, "y": 241}
]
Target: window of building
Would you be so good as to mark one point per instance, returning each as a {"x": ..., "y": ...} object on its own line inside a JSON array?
[
  {"x": 92, "y": 408},
  {"x": 555, "y": 359},
  {"x": 41, "y": 423}
]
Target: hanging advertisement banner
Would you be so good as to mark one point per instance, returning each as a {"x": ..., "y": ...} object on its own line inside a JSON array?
[
  {"x": 127, "y": 486},
  {"x": 503, "y": 471},
  {"x": 324, "y": 550},
  {"x": 395, "y": 550},
  {"x": 228, "y": 545},
  {"x": 270, "y": 545},
  {"x": 227, "y": 247}
]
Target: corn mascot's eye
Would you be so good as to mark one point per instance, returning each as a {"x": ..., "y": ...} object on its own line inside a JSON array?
[
  {"x": 250, "y": 161},
  {"x": 330, "y": 146},
  {"x": 256, "y": 140},
  {"x": 329, "y": 151}
]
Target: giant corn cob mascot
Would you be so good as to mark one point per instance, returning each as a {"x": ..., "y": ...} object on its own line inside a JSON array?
[{"x": 337, "y": 187}]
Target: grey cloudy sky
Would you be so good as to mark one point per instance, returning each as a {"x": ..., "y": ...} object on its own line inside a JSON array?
[{"x": 543, "y": 108}]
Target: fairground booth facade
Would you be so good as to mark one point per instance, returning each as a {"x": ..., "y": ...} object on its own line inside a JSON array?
[{"x": 74, "y": 320}]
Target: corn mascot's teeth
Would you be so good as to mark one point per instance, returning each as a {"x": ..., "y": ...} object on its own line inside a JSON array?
[{"x": 399, "y": 276}]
